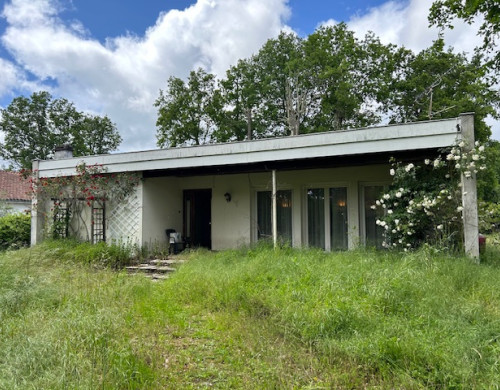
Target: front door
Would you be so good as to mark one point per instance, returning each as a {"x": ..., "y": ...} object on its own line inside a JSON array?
[{"x": 198, "y": 218}]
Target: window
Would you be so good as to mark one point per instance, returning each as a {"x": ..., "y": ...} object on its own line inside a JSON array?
[
  {"x": 98, "y": 222},
  {"x": 373, "y": 234},
  {"x": 327, "y": 218},
  {"x": 61, "y": 219},
  {"x": 284, "y": 215},
  {"x": 316, "y": 217},
  {"x": 338, "y": 218}
]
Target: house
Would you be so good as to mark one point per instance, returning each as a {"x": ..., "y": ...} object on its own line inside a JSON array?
[
  {"x": 221, "y": 195},
  {"x": 15, "y": 192}
]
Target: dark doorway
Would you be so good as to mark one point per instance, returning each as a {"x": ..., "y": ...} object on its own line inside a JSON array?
[{"x": 198, "y": 218}]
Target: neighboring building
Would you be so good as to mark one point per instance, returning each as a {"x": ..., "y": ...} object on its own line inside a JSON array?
[
  {"x": 15, "y": 192},
  {"x": 220, "y": 196}
]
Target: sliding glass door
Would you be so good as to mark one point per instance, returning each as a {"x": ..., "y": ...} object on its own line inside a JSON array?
[
  {"x": 284, "y": 215},
  {"x": 327, "y": 218}
]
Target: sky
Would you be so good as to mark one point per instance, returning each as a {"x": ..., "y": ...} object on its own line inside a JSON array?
[{"x": 112, "y": 57}]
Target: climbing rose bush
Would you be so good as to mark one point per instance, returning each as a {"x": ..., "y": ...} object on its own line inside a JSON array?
[
  {"x": 91, "y": 186},
  {"x": 424, "y": 202}
]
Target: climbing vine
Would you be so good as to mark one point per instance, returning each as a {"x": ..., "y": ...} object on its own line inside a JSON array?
[
  {"x": 72, "y": 196},
  {"x": 424, "y": 202}
]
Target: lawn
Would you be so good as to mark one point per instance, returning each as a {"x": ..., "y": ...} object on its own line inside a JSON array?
[{"x": 248, "y": 319}]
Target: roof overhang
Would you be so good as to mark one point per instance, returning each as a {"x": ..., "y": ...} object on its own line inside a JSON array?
[{"x": 286, "y": 151}]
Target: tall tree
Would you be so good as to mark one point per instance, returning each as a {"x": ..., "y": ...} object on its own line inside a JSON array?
[
  {"x": 96, "y": 135},
  {"x": 437, "y": 83},
  {"x": 351, "y": 77},
  {"x": 186, "y": 110},
  {"x": 240, "y": 96},
  {"x": 285, "y": 88},
  {"x": 443, "y": 12},
  {"x": 34, "y": 126}
]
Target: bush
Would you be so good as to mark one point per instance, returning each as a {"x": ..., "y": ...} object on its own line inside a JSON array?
[
  {"x": 424, "y": 202},
  {"x": 15, "y": 231},
  {"x": 489, "y": 217}
]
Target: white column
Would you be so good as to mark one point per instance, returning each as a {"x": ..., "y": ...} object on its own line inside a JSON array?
[
  {"x": 353, "y": 215},
  {"x": 36, "y": 210},
  {"x": 469, "y": 193},
  {"x": 274, "y": 210}
]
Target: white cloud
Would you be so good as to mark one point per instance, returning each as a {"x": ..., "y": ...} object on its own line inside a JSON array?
[
  {"x": 405, "y": 23},
  {"x": 122, "y": 77}
]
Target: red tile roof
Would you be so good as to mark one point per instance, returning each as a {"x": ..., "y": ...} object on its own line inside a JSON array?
[{"x": 13, "y": 186}]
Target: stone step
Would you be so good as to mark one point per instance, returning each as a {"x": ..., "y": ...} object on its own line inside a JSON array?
[
  {"x": 149, "y": 268},
  {"x": 166, "y": 261}
]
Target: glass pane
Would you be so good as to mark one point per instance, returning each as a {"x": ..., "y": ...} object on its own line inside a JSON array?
[
  {"x": 338, "y": 218},
  {"x": 264, "y": 229},
  {"x": 284, "y": 211},
  {"x": 316, "y": 217},
  {"x": 373, "y": 233},
  {"x": 284, "y": 215}
]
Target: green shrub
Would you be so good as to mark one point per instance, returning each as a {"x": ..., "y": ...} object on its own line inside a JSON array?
[
  {"x": 15, "y": 231},
  {"x": 489, "y": 217}
]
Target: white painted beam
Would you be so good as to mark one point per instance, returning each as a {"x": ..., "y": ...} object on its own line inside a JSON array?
[{"x": 413, "y": 136}]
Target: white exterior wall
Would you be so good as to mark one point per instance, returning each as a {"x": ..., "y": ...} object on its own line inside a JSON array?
[
  {"x": 231, "y": 221},
  {"x": 15, "y": 207},
  {"x": 234, "y": 223},
  {"x": 162, "y": 208}
]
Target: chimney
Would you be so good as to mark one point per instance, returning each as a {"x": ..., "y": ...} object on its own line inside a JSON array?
[{"x": 63, "y": 151}]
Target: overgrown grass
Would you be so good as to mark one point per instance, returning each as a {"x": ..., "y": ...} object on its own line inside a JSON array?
[{"x": 251, "y": 318}]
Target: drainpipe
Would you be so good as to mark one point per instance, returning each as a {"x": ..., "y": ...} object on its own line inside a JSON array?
[{"x": 274, "y": 209}]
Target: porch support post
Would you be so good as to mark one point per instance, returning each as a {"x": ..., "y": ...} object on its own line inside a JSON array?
[
  {"x": 469, "y": 193},
  {"x": 36, "y": 216},
  {"x": 274, "y": 210}
]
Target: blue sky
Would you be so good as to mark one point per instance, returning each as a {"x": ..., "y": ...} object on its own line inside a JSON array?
[
  {"x": 103, "y": 20},
  {"x": 113, "y": 56}
]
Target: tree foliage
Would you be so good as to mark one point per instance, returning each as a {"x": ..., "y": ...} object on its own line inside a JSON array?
[
  {"x": 443, "y": 12},
  {"x": 330, "y": 80},
  {"x": 437, "y": 83},
  {"x": 34, "y": 126},
  {"x": 186, "y": 110}
]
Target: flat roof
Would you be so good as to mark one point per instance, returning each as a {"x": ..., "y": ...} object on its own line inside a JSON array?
[{"x": 371, "y": 140}]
